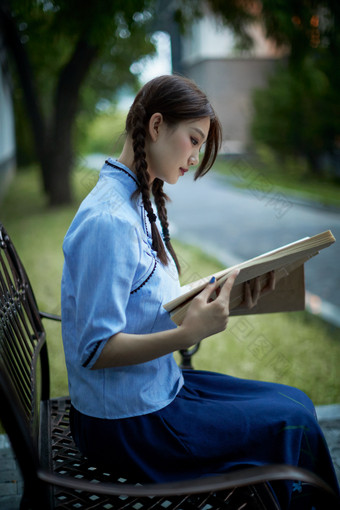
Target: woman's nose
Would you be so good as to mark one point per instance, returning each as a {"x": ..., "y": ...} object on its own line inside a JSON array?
[{"x": 193, "y": 160}]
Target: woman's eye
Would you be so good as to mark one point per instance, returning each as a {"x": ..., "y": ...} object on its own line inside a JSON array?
[{"x": 194, "y": 141}]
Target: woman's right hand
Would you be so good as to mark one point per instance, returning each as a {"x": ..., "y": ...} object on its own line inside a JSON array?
[
  {"x": 203, "y": 318},
  {"x": 206, "y": 317}
]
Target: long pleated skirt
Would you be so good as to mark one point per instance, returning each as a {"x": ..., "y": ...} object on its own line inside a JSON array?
[{"x": 216, "y": 423}]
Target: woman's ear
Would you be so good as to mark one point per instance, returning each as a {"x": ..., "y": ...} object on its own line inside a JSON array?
[{"x": 155, "y": 123}]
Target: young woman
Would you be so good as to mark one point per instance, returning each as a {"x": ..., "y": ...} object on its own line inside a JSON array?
[{"x": 131, "y": 402}]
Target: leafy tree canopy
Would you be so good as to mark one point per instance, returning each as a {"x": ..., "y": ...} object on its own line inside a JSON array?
[{"x": 67, "y": 54}]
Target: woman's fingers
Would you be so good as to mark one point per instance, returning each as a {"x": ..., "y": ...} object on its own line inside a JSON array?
[
  {"x": 247, "y": 299},
  {"x": 252, "y": 296},
  {"x": 214, "y": 291},
  {"x": 208, "y": 312},
  {"x": 223, "y": 296},
  {"x": 270, "y": 285},
  {"x": 227, "y": 286},
  {"x": 256, "y": 290},
  {"x": 211, "y": 287}
]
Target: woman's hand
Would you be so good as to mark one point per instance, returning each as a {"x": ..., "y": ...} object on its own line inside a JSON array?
[
  {"x": 206, "y": 317},
  {"x": 252, "y": 294},
  {"x": 203, "y": 318}
]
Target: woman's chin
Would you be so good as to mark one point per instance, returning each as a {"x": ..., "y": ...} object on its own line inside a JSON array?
[{"x": 172, "y": 179}]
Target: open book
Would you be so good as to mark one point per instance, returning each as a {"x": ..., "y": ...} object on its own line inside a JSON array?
[{"x": 288, "y": 264}]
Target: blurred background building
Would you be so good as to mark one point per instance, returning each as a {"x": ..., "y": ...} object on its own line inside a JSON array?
[
  {"x": 227, "y": 74},
  {"x": 208, "y": 53}
]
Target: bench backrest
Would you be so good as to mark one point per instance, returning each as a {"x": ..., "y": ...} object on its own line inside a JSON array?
[{"x": 24, "y": 370}]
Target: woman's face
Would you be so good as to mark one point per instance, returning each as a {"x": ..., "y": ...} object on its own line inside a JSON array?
[{"x": 170, "y": 151}]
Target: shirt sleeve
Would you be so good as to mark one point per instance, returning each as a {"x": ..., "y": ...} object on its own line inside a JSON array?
[{"x": 101, "y": 255}]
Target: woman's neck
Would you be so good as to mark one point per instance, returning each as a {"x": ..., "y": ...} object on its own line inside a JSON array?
[{"x": 127, "y": 155}]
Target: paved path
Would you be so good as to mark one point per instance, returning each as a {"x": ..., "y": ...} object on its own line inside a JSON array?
[
  {"x": 237, "y": 224},
  {"x": 10, "y": 479}
]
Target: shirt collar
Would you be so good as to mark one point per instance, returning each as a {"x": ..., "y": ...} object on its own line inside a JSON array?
[{"x": 115, "y": 168}]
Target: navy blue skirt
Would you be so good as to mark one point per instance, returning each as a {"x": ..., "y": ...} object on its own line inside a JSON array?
[{"x": 216, "y": 423}]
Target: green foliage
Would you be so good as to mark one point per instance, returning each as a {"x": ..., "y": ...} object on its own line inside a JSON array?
[
  {"x": 103, "y": 134},
  {"x": 49, "y": 32},
  {"x": 296, "y": 113}
]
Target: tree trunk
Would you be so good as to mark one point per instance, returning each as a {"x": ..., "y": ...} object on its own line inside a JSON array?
[
  {"x": 59, "y": 159},
  {"x": 54, "y": 139},
  {"x": 56, "y": 170}
]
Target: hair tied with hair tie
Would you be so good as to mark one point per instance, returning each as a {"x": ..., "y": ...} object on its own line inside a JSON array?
[
  {"x": 166, "y": 235},
  {"x": 152, "y": 217}
]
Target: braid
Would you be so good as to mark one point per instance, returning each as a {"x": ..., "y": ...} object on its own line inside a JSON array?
[
  {"x": 141, "y": 166},
  {"x": 160, "y": 200},
  {"x": 178, "y": 100}
]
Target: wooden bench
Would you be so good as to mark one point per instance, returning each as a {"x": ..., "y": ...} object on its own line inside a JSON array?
[{"x": 55, "y": 473}]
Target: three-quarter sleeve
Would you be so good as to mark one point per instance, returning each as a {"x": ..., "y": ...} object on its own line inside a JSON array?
[{"x": 101, "y": 257}]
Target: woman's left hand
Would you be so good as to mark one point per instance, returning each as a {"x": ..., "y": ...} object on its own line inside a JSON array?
[{"x": 252, "y": 294}]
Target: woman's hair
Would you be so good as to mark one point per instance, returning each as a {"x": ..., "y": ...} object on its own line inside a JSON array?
[{"x": 178, "y": 99}]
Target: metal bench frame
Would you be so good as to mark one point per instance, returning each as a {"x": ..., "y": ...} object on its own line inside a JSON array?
[{"x": 55, "y": 473}]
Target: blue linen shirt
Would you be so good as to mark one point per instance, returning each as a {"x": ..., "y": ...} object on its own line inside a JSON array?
[{"x": 113, "y": 282}]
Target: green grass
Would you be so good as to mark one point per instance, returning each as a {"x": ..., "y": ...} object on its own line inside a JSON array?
[
  {"x": 291, "y": 176},
  {"x": 294, "y": 348}
]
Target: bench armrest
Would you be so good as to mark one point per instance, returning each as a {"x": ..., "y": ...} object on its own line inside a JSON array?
[
  {"x": 50, "y": 316},
  {"x": 241, "y": 478}
]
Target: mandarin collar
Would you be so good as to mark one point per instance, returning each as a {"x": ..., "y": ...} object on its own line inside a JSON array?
[{"x": 112, "y": 167}]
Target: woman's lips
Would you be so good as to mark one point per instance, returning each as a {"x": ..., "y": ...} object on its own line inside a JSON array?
[{"x": 183, "y": 170}]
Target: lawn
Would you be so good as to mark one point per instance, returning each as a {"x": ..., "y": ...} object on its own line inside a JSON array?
[
  {"x": 293, "y": 348},
  {"x": 267, "y": 175}
]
